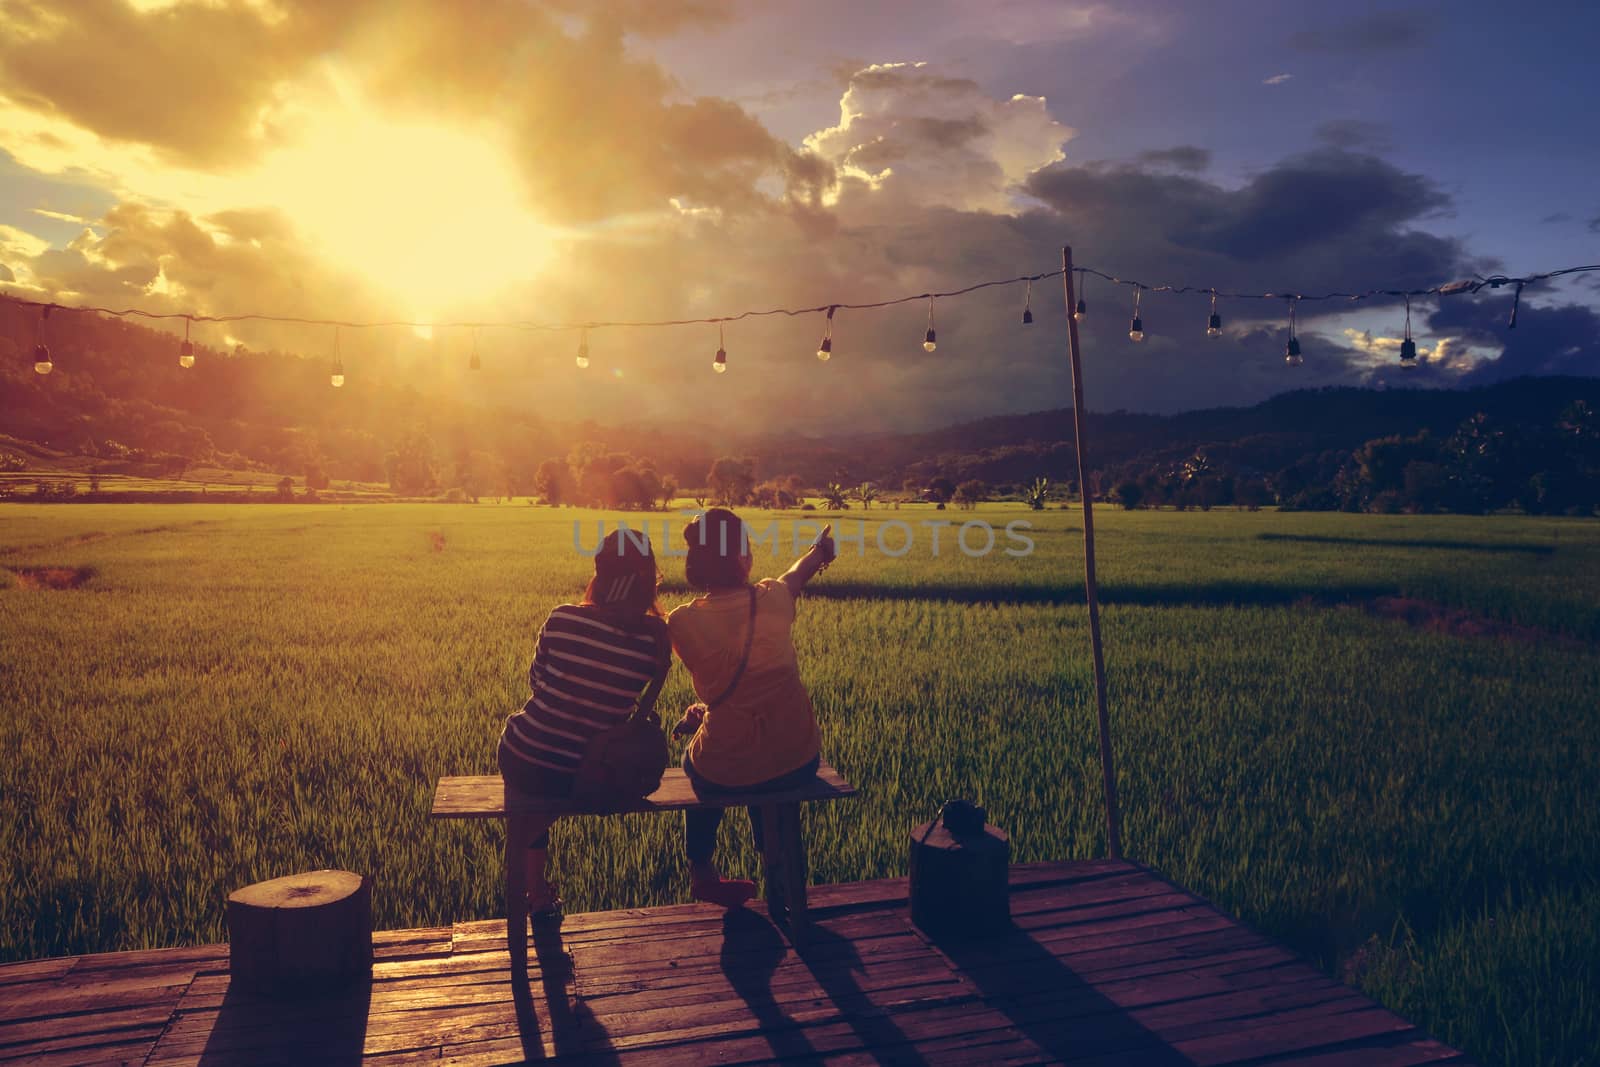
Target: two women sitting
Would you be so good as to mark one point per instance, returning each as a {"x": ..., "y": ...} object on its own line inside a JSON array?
[{"x": 754, "y": 729}]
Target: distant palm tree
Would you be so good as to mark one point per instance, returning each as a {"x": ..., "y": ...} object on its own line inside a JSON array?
[
  {"x": 1037, "y": 493},
  {"x": 866, "y": 494},
  {"x": 833, "y": 496}
]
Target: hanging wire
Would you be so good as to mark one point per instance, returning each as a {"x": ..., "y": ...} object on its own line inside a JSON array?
[
  {"x": 1027, "y": 304},
  {"x": 1469, "y": 286},
  {"x": 929, "y": 340},
  {"x": 720, "y": 364},
  {"x": 1214, "y": 323}
]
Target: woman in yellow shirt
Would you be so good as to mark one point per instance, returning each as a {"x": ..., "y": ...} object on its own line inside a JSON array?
[{"x": 756, "y": 730}]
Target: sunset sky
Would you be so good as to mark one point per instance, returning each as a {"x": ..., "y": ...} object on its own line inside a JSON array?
[{"x": 639, "y": 159}]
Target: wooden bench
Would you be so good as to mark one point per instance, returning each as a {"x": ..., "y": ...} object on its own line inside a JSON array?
[{"x": 783, "y": 857}]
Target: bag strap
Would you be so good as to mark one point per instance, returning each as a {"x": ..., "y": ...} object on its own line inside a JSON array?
[
  {"x": 647, "y": 700},
  {"x": 744, "y": 658}
]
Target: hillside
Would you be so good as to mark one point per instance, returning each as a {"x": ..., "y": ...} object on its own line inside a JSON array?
[{"x": 118, "y": 403}]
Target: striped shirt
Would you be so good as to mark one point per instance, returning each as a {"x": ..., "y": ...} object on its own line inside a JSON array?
[{"x": 587, "y": 675}]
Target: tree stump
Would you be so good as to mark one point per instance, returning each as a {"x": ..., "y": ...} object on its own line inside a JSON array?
[
  {"x": 960, "y": 883},
  {"x": 303, "y": 933}
]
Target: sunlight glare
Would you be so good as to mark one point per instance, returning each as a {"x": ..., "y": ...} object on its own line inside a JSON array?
[{"x": 433, "y": 216}]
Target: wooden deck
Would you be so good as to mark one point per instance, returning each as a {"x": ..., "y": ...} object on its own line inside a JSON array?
[{"x": 1108, "y": 964}]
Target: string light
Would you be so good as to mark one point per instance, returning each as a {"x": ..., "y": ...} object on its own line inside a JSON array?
[
  {"x": 1291, "y": 351},
  {"x": 929, "y": 343},
  {"x": 583, "y": 349},
  {"x": 186, "y": 350},
  {"x": 1408, "y": 347},
  {"x": 474, "y": 363},
  {"x": 1136, "y": 327},
  {"x": 720, "y": 364},
  {"x": 42, "y": 363},
  {"x": 1027, "y": 304},
  {"x": 336, "y": 377},
  {"x": 1214, "y": 325}
]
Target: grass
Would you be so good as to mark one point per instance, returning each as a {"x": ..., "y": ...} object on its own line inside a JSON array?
[{"x": 239, "y": 693}]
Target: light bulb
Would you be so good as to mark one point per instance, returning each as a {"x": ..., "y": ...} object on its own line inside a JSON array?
[
  {"x": 186, "y": 355},
  {"x": 1408, "y": 353},
  {"x": 1136, "y": 329},
  {"x": 583, "y": 354},
  {"x": 1027, "y": 317},
  {"x": 1214, "y": 328},
  {"x": 720, "y": 365},
  {"x": 825, "y": 349},
  {"x": 1081, "y": 310},
  {"x": 41, "y": 360},
  {"x": 336, "y": 379},
  {"x": 475, "y": 363},
  {"x": 1291, "y": 353},
  {"x": 929, "y": 343}
]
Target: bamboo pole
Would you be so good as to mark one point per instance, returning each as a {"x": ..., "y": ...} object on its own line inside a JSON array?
[{"x": 1107, "y": 769}]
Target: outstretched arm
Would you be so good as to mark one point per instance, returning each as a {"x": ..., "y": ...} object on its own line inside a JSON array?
[{"x": 818, "y": 556}]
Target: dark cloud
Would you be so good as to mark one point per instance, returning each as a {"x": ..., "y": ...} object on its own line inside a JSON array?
[
  {"x": 5, "y": 274},
  {"x": 1594, "y": 224},
  {"x": 1564, "y": 339},
  {"x": 1310, "y": 222},
  {"x": 1378, "y": 31},
  {"x": 1354, "y": 135},
  {"x": 1179, "y": 157},
  {"x": 1559, "y": 216}
]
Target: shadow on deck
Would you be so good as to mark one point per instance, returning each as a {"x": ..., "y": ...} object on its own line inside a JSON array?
[{"x": 1106, "y": 963}]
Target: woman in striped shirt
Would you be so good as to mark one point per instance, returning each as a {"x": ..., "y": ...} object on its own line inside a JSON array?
[{"x": 592, "y": 662}]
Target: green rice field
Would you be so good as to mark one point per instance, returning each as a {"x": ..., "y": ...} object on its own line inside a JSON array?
[{"x": 1377, "y": 739}]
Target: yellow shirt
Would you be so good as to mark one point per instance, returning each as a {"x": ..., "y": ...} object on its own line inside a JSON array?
[{"x": 766, "y": 726}]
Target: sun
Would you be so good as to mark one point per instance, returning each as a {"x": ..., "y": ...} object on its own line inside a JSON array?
[{"x": 431, "y": 215}]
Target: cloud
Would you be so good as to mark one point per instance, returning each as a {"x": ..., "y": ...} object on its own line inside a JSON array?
[
  {"x": 1378, "y": 31},
  {"x": 217, "y": 87},
  {"x": 191, "y": 80},
  {"x": 1557, "y": 339},
  {"x": 936, "y": 140},
  {"x": 673, "y": 206},
  {"x": 1594, "y": 224},
  {"x": 1559, "y": 216},
  {"x": 1354, "y": 135},
  {"x": 1179, "y": 157},
  {"x": 5, "y": 274},
  {"x": 1276, "y": 79},
  {"x": 1310, "y": 222}
]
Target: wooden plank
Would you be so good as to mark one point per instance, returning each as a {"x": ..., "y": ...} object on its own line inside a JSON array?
[
  {"x": 45, "y": 970},
  {"x": 125, "y": 1051},
  {"x": 52, "y": 1030},
  {"x": 1401, "y": 1050},
  {"x": 1107, "y": 963},
  {"x": 486, "y": 797}
]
